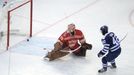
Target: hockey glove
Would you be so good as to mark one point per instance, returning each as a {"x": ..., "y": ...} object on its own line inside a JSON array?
[{"x": 100, "y": 54}]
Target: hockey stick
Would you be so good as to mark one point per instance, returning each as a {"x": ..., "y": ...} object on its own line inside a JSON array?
[{"x": 123, "y": 37}]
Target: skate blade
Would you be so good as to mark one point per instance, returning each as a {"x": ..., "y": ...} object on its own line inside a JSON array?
[{"x": 46, "y": 58}]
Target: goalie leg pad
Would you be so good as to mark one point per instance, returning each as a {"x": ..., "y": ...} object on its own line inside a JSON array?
[{"x": 56, "y": 54}]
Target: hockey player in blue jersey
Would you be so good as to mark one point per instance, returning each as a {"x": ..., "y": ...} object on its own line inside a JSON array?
[{"x": 111, "y": 49}]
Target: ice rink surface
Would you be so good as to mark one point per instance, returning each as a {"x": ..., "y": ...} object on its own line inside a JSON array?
[{"x": 50, "y": 20}]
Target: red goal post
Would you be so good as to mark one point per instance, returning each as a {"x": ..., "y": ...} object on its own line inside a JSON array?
[{"x": 18, "y": 24}]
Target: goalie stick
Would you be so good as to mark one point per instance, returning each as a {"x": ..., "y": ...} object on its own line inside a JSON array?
[
  {"x": 70, "y": 51},
  {"x": 58, "y": 53}
]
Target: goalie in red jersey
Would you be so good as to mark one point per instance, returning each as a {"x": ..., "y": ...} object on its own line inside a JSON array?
[{"x": 71, "y": 40}]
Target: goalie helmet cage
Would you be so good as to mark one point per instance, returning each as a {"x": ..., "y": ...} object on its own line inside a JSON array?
[{"x": 24, "y": 29}]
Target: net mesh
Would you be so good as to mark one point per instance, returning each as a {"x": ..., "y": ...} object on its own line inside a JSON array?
[{"x": 15, "y": 23}]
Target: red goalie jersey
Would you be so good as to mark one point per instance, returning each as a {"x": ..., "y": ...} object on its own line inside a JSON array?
[{"x": 70, "y": 41}]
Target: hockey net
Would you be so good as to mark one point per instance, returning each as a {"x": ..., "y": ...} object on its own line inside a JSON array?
[{"x": 16, "y": 23}]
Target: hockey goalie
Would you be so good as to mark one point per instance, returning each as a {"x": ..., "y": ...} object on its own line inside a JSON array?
[{"x": 72, "y": 40}]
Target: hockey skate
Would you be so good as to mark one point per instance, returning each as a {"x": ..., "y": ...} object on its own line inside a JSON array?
[
  {"x": 113, "y": 66},
  {"x": 104, "y": 69},
  {"x": 47, "y": 57}
]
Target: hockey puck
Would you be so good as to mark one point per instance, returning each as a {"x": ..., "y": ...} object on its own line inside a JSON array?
[
  {"x": 44, "y": 48},
  {"x": 27, "y": 39}
]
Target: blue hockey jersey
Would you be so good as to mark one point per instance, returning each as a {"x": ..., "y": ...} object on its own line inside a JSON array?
[{"x": 111, "y": 43}]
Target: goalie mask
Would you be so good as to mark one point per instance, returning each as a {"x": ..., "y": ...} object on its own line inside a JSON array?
[
  {"x": 104, "y": 29},
  {"x": 71, "y": 29}
]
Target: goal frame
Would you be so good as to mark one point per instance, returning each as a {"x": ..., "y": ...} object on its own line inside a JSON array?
[{"x": 9, "y": 19}]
